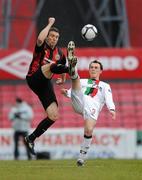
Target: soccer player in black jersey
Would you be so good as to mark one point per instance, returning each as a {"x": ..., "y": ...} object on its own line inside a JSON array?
[{"x": 47, "y": 60}]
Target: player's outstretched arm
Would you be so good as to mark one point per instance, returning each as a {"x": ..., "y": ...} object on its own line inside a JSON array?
[
  {"x": 66, "y": 92},
  {"x": 43, "y": 34},
  {"x": 62, "y": 79}
]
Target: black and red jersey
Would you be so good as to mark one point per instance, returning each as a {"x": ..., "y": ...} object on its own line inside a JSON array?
[{"x": 43, "y": 55}]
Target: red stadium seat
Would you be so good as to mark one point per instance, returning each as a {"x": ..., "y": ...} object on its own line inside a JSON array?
[{"x": 127, "y": 97}]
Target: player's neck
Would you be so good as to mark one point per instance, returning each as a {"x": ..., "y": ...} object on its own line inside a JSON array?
[{"x": 95, "y": 79}]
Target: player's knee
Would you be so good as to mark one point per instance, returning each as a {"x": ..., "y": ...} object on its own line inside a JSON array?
[
  {"x": 53, "y": 111},
  {"x": 88, "y": 131},
  {"x": 53, "y": 116}
]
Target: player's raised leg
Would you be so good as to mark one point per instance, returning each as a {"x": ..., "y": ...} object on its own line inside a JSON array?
[
  {"x": 30, "y": 145},
  {"x": 72, "y": 60}
]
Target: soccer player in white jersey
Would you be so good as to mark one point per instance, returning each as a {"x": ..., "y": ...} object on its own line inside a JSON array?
[{"x": 88, "y": 97}]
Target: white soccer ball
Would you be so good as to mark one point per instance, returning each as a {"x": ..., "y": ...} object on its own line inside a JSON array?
[{"x": 89, "y": 32}]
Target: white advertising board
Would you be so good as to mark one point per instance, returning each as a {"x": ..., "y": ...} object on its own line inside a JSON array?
[{"x": 65, "y": 143}]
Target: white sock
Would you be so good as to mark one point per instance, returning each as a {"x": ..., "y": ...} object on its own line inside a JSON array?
[{"x": 85, "y": 147}]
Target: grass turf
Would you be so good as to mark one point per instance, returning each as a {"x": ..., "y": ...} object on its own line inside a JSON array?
[{"x": 98, "y": 169}]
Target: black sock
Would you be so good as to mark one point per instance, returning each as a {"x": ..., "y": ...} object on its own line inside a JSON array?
[
  {"x": 58, "y": 68},
  {"x": 41, "y": 128},
  {"x": 87, "y": 137}
]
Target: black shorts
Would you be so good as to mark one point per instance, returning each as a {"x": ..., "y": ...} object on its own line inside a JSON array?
[{"x": 42, "y": 87}]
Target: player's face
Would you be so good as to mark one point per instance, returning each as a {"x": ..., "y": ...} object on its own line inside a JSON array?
[
  {"x": 52, "y": 38},
  {"x": 95, "y": 71}
]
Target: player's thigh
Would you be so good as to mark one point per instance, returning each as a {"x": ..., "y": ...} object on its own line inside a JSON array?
[
  {"x": 53, "y": 111},
  {"x": 77, "y": 101},
  {"x": 46, "y": 71}
]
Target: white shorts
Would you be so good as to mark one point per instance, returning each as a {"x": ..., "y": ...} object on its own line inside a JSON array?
[{"x": 84, "y": 105}]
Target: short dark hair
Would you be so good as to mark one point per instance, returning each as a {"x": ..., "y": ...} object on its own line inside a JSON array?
[
  {"x": 96, "y": 61},
  {"x": 19, "y": 100},
  {"x": 54, "y": 29}
]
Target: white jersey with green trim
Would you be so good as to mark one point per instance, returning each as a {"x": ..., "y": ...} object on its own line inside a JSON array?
[{"x": 98, "y": 91}]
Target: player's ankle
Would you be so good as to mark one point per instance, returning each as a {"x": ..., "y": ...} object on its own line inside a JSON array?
[{"x": 74, "y": 77}]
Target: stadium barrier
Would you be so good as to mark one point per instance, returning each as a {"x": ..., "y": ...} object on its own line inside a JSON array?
[{"x": 65, "y": 144}]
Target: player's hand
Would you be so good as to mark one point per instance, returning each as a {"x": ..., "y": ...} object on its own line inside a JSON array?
[
  {"x": 59, "y": 81},
  {"x": 64, "y": 91},
  {"x": 51, "y": 20},
  {"x": 113, "y": 114},
  {"x": 17, "y": 115}
]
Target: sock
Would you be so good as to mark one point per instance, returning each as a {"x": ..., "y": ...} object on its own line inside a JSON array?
[
  {"x": 41, "y": 128},
  {"x": 58, "y": 68},
  {"x": 85, "y": 146}
]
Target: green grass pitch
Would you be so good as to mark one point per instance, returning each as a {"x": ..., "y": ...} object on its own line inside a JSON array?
[{"x": 97, "y": 169}]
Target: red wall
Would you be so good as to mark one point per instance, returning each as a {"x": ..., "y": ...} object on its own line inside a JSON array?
[
  {"x": 134, "y": 10},
  {"x": 22, "y": 13}
]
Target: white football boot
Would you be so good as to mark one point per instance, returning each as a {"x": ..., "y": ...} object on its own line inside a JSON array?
[
  {"x": 72, "y": 60},
  {"x": 80, "y": 162},
  {"x": 81, "y": 159}
]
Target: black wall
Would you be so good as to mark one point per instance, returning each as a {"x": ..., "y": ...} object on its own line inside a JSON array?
[{"x": 68, "y": 20}]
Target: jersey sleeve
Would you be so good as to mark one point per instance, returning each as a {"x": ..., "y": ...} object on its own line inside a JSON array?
[
  {"x": 27, "y": 113},
  {"x": 38, "y": 48},
  {"x": 109, "y": 98},
  {"x": 69, "y": 93},
  {"x": 62, "y": 57},
  {"x": 11, "y": 114}
]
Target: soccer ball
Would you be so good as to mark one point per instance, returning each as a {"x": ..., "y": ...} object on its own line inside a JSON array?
[{"x": 89, "y": 32}]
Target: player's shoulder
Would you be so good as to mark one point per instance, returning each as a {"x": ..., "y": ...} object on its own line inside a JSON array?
[
  {"x": 60, "y": 51},
  {"x": 13, "y": 109},
  {"x": 105, "y": 84},
  {"x": 83, "y": 80},
  {"x": 25, "y": 104}
]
